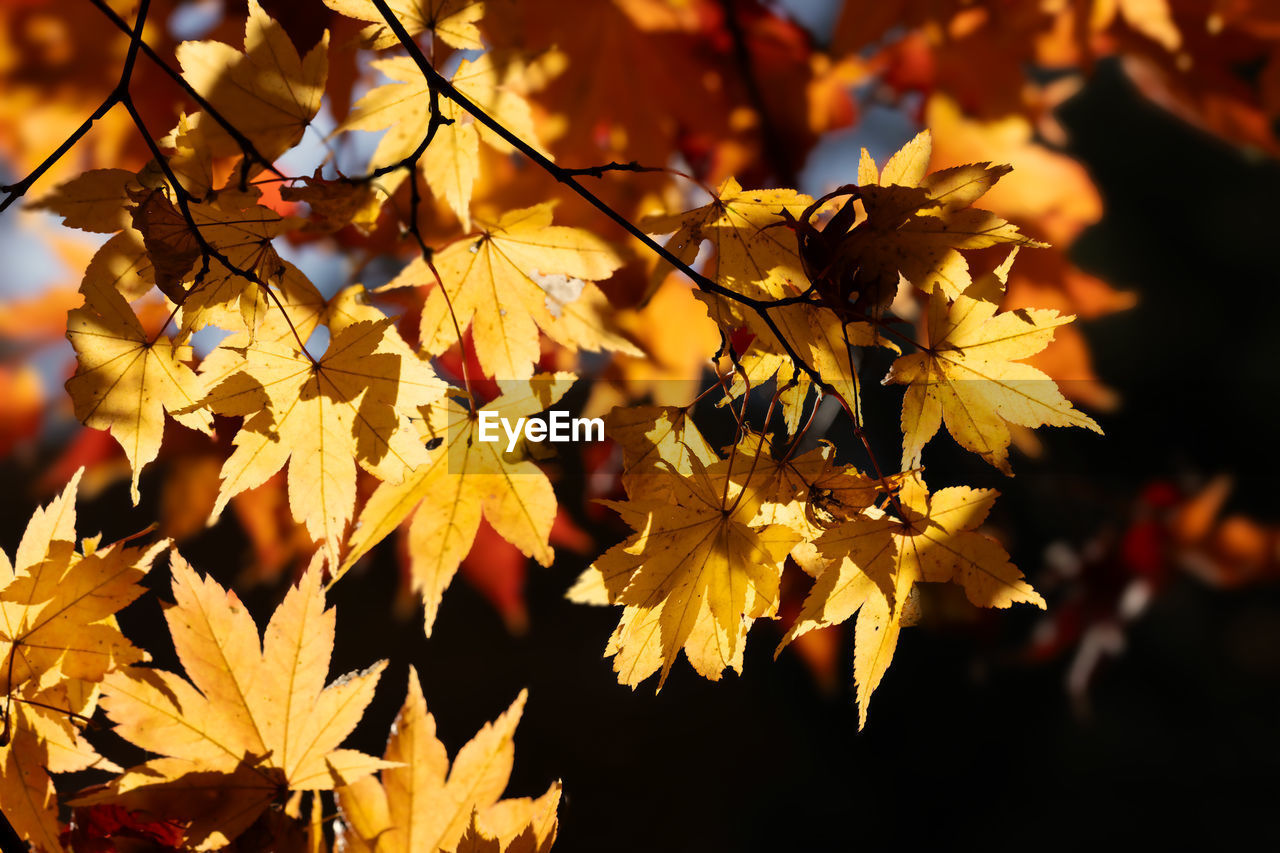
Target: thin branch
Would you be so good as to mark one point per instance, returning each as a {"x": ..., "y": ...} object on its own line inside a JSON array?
[
  {"x": 437, "y": 81},
  {"x": 246, "y": 145},
  {"x": 599, "y": 171},
  {"x": 120, "y": 93}
]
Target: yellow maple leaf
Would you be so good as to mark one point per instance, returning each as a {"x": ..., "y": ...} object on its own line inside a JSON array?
[
  {"x": 423, "y": 803},
  {"x": 970, "y": 376},
  {"x": 452, "y": 21},
  {"x": 875, "y": 559},
  {"x": 912, "y": 225},
  {"x": 59, "y": 637},
  {"x": 122, "y": 264},
  {"x": 157, "y": 246},
  {"x": 821, "y": 341},
  {"x": 493, "y": 283},
  {"x": 92, "y": 201},
  {"x": 241, "y": 230},
  {"x": 759, "y": 259},
  {"x": 694, "y": 576},
  {"x": 255, "y": 719},
  {"x": 27, "y": 794},
  {"x": 466, "y": 479},
  {"x": 451, "y": 163},
  {"x": 807, "y": 492},
  {"x": 126, "y": 380},
  {"x": 322, "y": 415},
  {"x": 656, "y": 441},
  {"x": 267, "y": 92},
  {"x": 753, "y": 255}
]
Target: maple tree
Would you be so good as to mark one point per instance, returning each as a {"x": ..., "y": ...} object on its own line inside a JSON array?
[{"x": 523, "y": 227}]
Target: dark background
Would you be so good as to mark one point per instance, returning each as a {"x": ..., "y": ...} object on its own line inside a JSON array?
[{"x": 971, "y": 740}]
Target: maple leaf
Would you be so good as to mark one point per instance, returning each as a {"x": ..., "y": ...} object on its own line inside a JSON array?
[
  {"x": 126, "y": 380},
  {"x": 807, "y": 493},
  {"x": 451, "y": 162},
  {"x": 452, "y": 21},
  {"x": 157, "y": 246},
  {"x": 694, "y": 575},
  {"x": 656, "y": 441},
  {"x": 256, "y": 718},
  {"x": 321, "y": 415},
  {"x": 423, "y": 803},
  {"x": 240, "y": 231},
  {"x": 760, "y": 260},
  {"x": 92, "y": 201},
  {"x": 57, "y": 614},
  {"x": 911, "y": 225},
  {"x": 875, "y": 559},
  {"x": 26, "y": 792},
  {"x": 59, "y": 636},
  {"x": 337, "y": 204},
  {"x": 970, "y": 377},
  {"x": 267, "y": 92},
  {"x": 468, "y": 478},
  {"x": 492, "y": 285}
]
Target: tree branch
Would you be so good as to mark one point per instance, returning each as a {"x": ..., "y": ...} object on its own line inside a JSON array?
[
  {"x": 246, "y": 145},
  {"x": 13, "y": 192},
  {"x": 437, "y": 81}
]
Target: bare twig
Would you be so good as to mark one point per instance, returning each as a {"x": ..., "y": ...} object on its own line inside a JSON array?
[
  {"x": 119, "y": 94},
  {"x": 599, "y": 171}
]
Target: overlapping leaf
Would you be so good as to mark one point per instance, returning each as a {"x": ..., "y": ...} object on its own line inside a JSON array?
[
  {"x": 451, "y": 162},
  {"x": 914, "y": 224},
  {"x": 876, "y": 558},
  {"x": 466, "y": 479},
  {"x": 126, "y": 379},
  {"x": 695, "y": 574},
  {"x": 59, "y": 637},
  {"x": 322, "y": 416},
  {"x": 423, "y": 803},
  {"x": 759, "y": 258},
  {"x": 267, "y": 91},
  {"x": 255, "y": 719},
  {"x": 452, "y": 21},
  {"x": 494, "y": 284},
  {"x": 970, "y": 376}
]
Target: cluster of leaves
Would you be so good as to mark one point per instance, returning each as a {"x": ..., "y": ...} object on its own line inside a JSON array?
[
  {"x": 364, "y": 418},
  {"x": 713, "y": 533},
  {"x": 253, "y": 732}
]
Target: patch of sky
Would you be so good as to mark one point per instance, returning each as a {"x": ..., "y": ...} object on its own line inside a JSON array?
[
  {"x": 882, "y": 130},
  {"x": 196, "y": 19}
]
